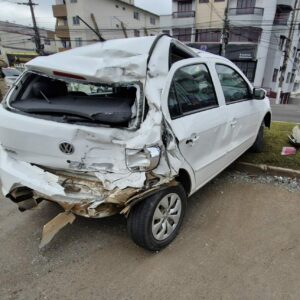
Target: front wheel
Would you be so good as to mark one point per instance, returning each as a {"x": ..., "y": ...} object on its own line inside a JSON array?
[
  {"x": 155, "y": 222},
  {"x": 259, "y": 142}
]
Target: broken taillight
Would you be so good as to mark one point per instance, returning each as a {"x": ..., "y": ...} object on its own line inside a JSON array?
[{"x": 143, "y": 160}]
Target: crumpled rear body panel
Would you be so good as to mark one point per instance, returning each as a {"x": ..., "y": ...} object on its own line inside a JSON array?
[{"x": 28, "y": 142}]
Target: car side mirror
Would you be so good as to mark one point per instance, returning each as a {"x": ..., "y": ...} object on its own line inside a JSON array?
[{"x": 259, "y": 94}]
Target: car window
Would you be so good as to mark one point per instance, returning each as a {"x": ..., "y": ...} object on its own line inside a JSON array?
[
  {"x": 174, "y": 107},
  {"x": 235, "y": 88},
  {"x": 192, "y": 89}
]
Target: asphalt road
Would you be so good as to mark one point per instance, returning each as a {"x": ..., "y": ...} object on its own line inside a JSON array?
[
  {"x": 240, "y": 240},
  {"x": 286, "y": 113}
]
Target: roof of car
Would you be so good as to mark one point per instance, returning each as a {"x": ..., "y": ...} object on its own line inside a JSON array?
[{"x": 118, "y": 60}]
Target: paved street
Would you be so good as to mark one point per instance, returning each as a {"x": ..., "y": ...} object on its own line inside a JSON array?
[
  {"x": 286, "y": 113},
  {"x": 240, "y": 240}
]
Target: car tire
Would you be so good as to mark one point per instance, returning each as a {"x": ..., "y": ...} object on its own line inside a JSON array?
[
  {"x": 259, "y": 142},
  {"x": 155, "y": 222}
]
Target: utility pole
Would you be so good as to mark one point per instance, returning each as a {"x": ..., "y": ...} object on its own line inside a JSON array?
[
  {"x": 225, "y": 31},
  {"x": 37, "y": 39},
  {"x": 97, "y": 31},
  {"x": 287, "y": 52}
]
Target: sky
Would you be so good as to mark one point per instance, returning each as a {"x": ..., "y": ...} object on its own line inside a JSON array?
[{"x": 9, "y": 11}]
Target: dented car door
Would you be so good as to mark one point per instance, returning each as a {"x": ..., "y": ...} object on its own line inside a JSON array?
[{"x": 197, "y": 118}]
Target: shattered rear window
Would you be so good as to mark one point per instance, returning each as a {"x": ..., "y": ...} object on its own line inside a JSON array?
[{"x": 72, "y": 101}]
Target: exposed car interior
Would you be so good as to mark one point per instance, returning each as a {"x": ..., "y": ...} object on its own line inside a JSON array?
[{"x": 73, "y": 101}]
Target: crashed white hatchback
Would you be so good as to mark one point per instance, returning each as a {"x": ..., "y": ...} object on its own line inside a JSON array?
[{"x": 131, "y": 126}]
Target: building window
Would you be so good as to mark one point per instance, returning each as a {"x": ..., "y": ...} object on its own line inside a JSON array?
[
  {"x": 152, "y": 20},
  {"x": 293, "y": 78},
  {"x": 246, "y": 3},
  {"x": 275, "y": 75},
  {"x": 248, "y": 68},
  {"x": 282, "y": 42},
  {"x": 219, "y": 0},
  {"x": 166, "y": 32},
  {"x": 183, "y": 34},
  {"x": 288, "y": 77},
  {"x": 245, "y": 34},
  {"x": 78, "y": 42},
  {"x": 282, "y": 15},
  {"x": 73, "y": 1},
  {"x": 184, "y": 6},
  {"x": 47, "y": 42},
  {"x": 208, "y": 35},
  {"x": 136, "y": 15},
  {"x": 203, "y": 1},
  {"x": 136, "y": 33},
  {"x": 65, "y": 43},
  {"x": 76, "y": 21}
]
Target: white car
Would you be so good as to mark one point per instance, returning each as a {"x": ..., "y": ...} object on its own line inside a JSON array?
[
  {"x": 132, "y": 126},
  {"x": 10, "y": 76}
]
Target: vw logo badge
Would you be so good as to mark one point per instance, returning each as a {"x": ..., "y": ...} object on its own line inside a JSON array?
[{"x": 66, "y": 148}]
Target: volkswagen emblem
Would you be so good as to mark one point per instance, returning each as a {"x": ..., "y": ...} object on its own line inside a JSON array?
[{"x": 66, "y": 148}]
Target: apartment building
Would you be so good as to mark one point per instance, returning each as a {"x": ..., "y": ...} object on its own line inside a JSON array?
[
  {"x": 258, "y": 31},
  {"x": 111, "y": 19},
  {"x": 17, "y": 43}
]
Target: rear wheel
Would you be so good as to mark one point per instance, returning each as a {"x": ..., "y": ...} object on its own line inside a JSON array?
[
  {"x": 259, "y": 142},
  {"x": 155, "y": 222}
]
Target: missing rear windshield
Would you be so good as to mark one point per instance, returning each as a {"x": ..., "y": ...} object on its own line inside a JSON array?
[{"x": 118, "y": 105}]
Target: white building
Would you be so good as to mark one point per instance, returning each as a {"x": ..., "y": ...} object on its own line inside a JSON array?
[
  {"x": 258, "y": 31},
  {"x": 110, "y": 18},
  {"x": 270, "y": 20},
  {"x": 17, "y": 43}
]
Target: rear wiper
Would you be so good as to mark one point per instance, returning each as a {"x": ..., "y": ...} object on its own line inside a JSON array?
[
  {"x": 74, "y": 118},
  {"x": 45, "y": 97}
]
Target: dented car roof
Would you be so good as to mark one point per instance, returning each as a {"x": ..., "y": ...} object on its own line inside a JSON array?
[{"x": 109, "y": 61}]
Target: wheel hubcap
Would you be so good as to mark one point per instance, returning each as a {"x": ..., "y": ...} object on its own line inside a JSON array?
[{"x": 166, "y": 216}]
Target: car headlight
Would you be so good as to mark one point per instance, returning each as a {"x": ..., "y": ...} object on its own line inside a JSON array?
[{"x": 142, "y": 160}]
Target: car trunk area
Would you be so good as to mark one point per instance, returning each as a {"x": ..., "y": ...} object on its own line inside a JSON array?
[{"x": 73, "y": 101}]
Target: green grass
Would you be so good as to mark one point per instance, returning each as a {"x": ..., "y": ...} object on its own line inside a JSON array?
[{"x": 275, "y": 139}]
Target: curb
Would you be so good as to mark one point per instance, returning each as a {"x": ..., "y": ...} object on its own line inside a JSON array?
[{"x": 266, "y": 169}]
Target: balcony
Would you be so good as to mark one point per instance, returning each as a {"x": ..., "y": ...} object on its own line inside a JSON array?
[
  {"x": 59, "y": 10},
  {"x": 254, "y": 14},
  {"x": 62, "y": 31},
  {"x": 184, "y": 14},
  {"x": 259, "y": 11}
]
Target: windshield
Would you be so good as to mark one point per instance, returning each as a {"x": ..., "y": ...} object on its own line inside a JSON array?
[{"x": 11, "y": 72}]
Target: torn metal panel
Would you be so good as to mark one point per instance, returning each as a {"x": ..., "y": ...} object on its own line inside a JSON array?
[
  {"x": 18, "y": 173},
  {"x": 295, "y": 137},
  {"x": 54, "y": 226},
  {"x": 102, "y": 182}
]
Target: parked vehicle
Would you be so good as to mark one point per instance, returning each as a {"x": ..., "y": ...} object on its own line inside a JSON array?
[
  {"x": 131, "y": 126},
  {"x": 10, "y": 76}
]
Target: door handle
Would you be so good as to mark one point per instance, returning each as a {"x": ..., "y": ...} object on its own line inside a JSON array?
[
  {"x": 233, "y": 122},
  {"x": 191, "y": 141}
]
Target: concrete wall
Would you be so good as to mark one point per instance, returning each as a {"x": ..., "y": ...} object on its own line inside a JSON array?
[
  {"x": 108, "y": 14},
  {"x": 210, "y": 15}
]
